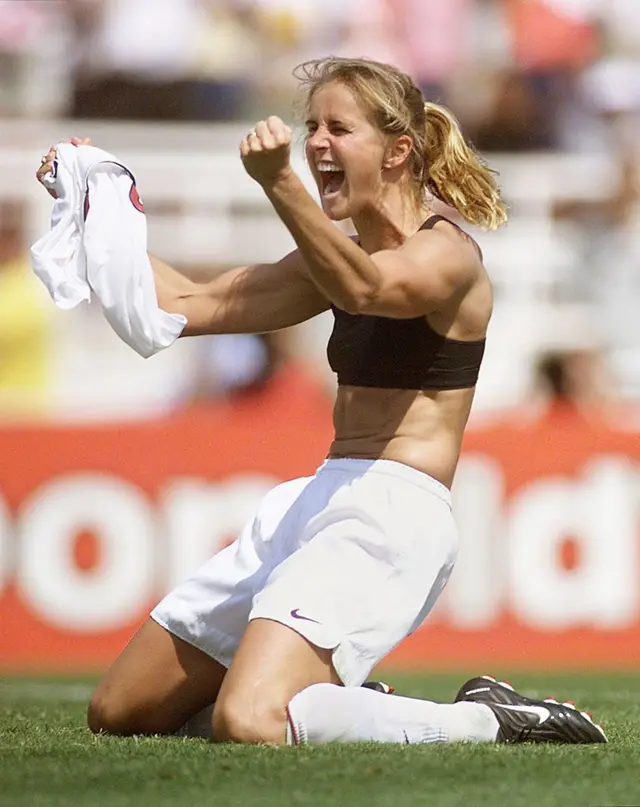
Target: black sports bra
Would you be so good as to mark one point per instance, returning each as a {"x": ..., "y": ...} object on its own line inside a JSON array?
[{"x": 370, "y": 351}]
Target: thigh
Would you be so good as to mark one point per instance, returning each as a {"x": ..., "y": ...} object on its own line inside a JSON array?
[
  {"x": 156, "y": 684},
  {"x": 280, "y": 659}
]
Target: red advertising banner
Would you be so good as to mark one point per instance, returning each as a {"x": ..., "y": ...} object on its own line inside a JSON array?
[{"x": 98, "y": 521}]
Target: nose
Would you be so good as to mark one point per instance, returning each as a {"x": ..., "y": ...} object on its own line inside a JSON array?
[{"x": 318, "y": 140}]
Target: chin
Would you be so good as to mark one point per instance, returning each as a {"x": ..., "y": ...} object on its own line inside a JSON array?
[
  {"x": 338, "y": 216},
  {"x": 336, "y": 211}
]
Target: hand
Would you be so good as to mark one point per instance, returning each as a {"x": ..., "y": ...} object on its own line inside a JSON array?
[
  {"x": 266, "y": 151},
  {"x": 46, "y": 164}
]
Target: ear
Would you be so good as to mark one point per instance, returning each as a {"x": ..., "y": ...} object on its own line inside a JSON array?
[{"x": 398, "y": 151}]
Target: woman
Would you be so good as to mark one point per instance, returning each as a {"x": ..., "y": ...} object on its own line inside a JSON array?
[{"x": 279, "y": 629}]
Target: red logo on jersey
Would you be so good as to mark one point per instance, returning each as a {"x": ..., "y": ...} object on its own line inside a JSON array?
[{"x": 136, "y": 201}]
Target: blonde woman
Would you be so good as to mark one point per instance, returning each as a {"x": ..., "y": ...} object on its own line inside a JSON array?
[{"x": 279, "y": 630}]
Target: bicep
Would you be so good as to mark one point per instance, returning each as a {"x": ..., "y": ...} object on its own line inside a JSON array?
[
  {"x": 421, "y": 279},
  {"x": 254, "y": 299}
]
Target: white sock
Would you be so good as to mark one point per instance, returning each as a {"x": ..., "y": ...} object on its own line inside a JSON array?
[{"x": 325, "y": 713}]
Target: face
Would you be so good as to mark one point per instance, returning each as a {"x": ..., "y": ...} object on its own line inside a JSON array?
[{"x": 345, "y": 153}]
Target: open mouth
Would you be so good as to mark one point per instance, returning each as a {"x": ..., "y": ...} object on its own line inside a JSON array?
[{"x": 331, "y": 180}]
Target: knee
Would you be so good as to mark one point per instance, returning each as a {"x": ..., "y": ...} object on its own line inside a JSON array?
[
  {"x": 108, "y": 713},
  {"x": 238, "y": 720},
  {"x": 102, "y": 714}
]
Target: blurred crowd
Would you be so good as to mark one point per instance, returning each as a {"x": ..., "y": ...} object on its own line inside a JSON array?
[{"x": 522, "y": 76}]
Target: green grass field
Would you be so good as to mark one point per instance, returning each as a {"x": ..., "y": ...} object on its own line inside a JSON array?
[{"x": 48, "y": 757}]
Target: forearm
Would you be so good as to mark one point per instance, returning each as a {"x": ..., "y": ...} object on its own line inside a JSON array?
[
  {"x": 171, "y": 285},
  {"x": 177, "y": 294},
  {"x": 339, "y": 267}
]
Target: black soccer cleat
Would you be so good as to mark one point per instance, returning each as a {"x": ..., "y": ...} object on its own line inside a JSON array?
[
  {"x": 523, "y": 719},
  {"x": 379, "y": 686}
]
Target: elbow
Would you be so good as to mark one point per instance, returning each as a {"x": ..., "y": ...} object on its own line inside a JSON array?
[
  {"x": 349, "y": 307},
  {"x": 361, "y": 302}
]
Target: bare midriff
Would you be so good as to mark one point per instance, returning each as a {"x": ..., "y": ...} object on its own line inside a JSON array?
[{"x": 419, "y": 428}]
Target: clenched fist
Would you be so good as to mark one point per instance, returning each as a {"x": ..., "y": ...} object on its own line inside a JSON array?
[{"x": 266, "y": 151}]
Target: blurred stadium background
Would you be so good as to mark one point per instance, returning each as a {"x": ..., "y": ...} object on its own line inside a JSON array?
[{"x": 118, "y": 476}]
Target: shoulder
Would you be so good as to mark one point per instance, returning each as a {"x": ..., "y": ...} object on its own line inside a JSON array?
[
  {"x": 446, "y": 237},
  {"x": 446, "y": 249}
]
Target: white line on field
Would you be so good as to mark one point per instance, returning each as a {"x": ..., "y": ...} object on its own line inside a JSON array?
[{"x": 45, "y": 691}]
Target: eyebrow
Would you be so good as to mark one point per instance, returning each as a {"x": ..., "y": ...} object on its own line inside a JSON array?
[{"x": 331, "y": 122}]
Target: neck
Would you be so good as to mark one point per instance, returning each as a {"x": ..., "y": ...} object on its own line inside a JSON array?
[{"x": 388, "y": 225}]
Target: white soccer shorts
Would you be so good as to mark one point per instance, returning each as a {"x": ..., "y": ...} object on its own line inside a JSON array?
[{"x": 352, "y": 558}]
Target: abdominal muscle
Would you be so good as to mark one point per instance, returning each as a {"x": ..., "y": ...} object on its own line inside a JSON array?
[{"x": 419, "y": 428}]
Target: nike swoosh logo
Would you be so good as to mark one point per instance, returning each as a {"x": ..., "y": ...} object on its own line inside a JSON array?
[
  {"x": 296, "y": 615},
  {"x": 543, "y": 713}
]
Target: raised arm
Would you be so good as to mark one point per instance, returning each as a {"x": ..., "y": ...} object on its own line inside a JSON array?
[
  {"x": 428, "y": 271},
  {"x": 249, "y": 299}
]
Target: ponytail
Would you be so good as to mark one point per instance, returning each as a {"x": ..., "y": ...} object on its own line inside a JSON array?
[{"x": 456, "y": 174}]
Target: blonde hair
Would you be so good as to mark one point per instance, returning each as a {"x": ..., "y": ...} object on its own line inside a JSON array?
[{"x": 441, "y": 161}]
